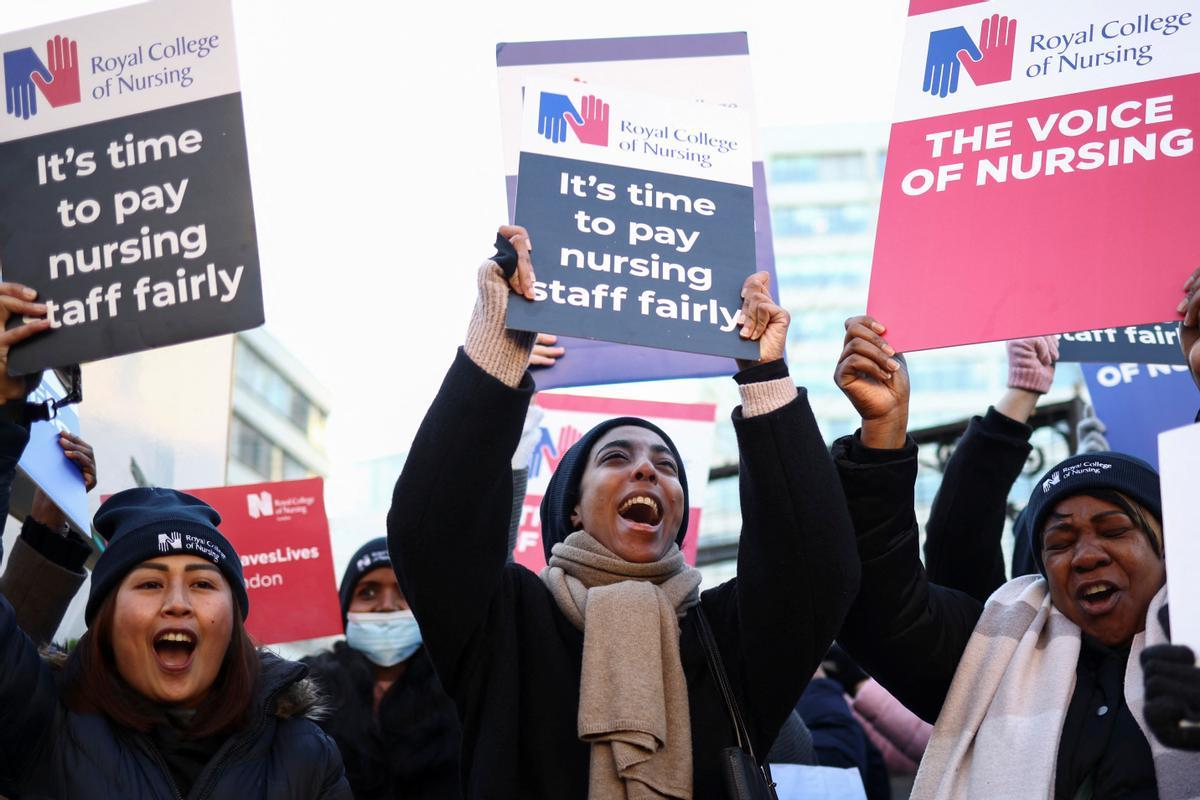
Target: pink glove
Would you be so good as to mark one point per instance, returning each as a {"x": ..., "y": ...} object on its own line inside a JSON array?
[{"x": 1031, "y": 363}]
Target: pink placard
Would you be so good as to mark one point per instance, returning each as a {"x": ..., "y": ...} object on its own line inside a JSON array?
[
  {"x": 929, "y": 6},
  {"x": 1051, "y": 233}
]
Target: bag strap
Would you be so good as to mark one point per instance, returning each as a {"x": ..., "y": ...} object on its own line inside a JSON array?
[{"x": 717, "y": 667}]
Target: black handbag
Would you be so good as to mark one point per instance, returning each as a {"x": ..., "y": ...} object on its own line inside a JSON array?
[{"x": 744, "y": 778}]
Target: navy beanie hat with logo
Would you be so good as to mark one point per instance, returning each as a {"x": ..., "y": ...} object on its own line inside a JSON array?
[
  {"x": 562, "y": 494},
  {"x": 371, "y": 555},
  {"x": 1082, "y": 474},
  {"x": 144, "y": 523}
]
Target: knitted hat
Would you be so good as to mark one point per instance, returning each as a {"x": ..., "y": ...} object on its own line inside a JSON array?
[
  {"x": 371, "y": 555},
  {"x": 1083, "y": 474},
  {"x": 144, "y": 523},
  {"x": 562, "y": 495}
]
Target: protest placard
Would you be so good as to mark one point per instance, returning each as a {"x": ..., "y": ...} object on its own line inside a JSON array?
[
  {"x": 567, "y": 417},
  {"x": 281, "y": 533},
  {"x": 1041, "y": 173},
  {"x": 44, "y": 466},
  {"x": 126, "y": 198},
  {"x": 1135, "y": 344},
  {"x": 642, "y": 213},
  {"x": 712, "y": 68},
  {"x": 1136, "y": 402},
  {"x": 1179, "y": 464}
]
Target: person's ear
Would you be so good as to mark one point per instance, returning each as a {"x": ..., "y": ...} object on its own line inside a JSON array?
[{"x": 576, "y": 518}]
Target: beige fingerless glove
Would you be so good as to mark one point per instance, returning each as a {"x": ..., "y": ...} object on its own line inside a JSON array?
[
  {"x": 766, "y": 396},
  {"x": 501, "y": 353}
]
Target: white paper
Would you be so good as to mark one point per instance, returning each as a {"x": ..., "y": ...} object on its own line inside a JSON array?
[
  {"x": 801, "y": 782},
  {"x": 1179, "y": 465}
]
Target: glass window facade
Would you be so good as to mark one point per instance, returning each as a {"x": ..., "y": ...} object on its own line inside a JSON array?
[
  {"x": 819, "y": 168},
  {"x": 260, "y": 379},
  {"x": 833, "y": 219},
  {"x": 253, "y": 450},
  {"x": 250, "y": 448}
]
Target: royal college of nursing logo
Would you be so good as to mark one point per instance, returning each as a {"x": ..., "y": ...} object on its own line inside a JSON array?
[
  {"x": 952, "y": 50},
  {"x": 26, "y": 75},
  {"x": 168, "y": 542},
  {"x": 589, "y": 122},
  {"x": 260, "y": 504}
]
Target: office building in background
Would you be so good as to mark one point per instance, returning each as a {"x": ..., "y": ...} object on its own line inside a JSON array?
[{"x": 278, "y": 414}]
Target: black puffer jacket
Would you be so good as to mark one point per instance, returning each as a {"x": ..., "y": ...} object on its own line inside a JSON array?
[
  {"x": 411, "y": 750},
  {"x": 47, "y": 751}
]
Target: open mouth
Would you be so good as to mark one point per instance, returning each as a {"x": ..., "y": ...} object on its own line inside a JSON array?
[
  {"x": 1098, "y": 598},
  {"x": 642, "y": 510},
  {"x": 174, "y": 650}
]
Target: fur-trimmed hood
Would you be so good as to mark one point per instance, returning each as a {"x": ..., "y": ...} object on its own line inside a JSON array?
[{"x": 303, "y": 698}]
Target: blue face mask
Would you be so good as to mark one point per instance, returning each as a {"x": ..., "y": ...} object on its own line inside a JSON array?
[{"x": 385, "y": 639}]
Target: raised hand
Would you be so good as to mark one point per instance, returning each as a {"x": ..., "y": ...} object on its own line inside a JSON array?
[
  {"x": 763, "y": 321},
  {"x": 1031, "y": 363},
  {"x": 546, "y": 353},
  {"x": 997, "y": 41},
  {"x": 522, "y": 278},
  {"x": 941, "y": 60},
  {"x": 594, "y": 128},
  {"x": 62, "y": 56},
  {"x": 17, "y": 300},
  {"x": 875, "y": 380},
  {"x": 81, "y": 455},
  {"x": 1189, "y": 327},
  {"x": 20, "y": 98},
  {"x": 45, "y": 510},
  {"x": 552, "y": 116}
]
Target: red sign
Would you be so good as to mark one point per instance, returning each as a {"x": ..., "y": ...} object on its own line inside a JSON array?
[{"x": 282, "y": 535}]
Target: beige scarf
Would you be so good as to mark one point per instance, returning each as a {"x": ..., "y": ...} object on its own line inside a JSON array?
[
  {"x": 998, "y": 733},
  {"x": 633, "y": 700}
]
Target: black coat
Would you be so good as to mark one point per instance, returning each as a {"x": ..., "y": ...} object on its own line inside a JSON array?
[
  {"x": 410, "y": 750},
  {"x": 47, "y": 751},
  {"x": 509, "y": 657},
  {"x": 966, "y": 523},
  {"x": 910, "y": 633}
]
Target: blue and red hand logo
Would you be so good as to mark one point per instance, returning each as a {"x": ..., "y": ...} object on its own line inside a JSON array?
[
  {"x": 952, "y": 49},
  {"x": 556, "y": 111},
  {"x": 57, "y": 79},
  {"x": 547, "y": 452}
]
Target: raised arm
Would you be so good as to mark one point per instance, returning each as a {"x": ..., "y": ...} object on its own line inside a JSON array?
[
  {"x": 28, "y": 694},
  {"x": 449, "y": 520},
  {"x": 908, "y": 633},
  {"x": 1189, "y": 325},
  {"x": 47, "y": 564},
  {"x": 797, "y": 568},
  {"x": 966, "y": 524}
]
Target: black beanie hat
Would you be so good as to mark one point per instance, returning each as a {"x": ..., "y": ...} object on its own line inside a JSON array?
[
  {"x": 1083, "y": 474},
  {"x": 371, "y": 555},
  {"x": 144, "y": 523},
  {"x": 562, "y": 495}
]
